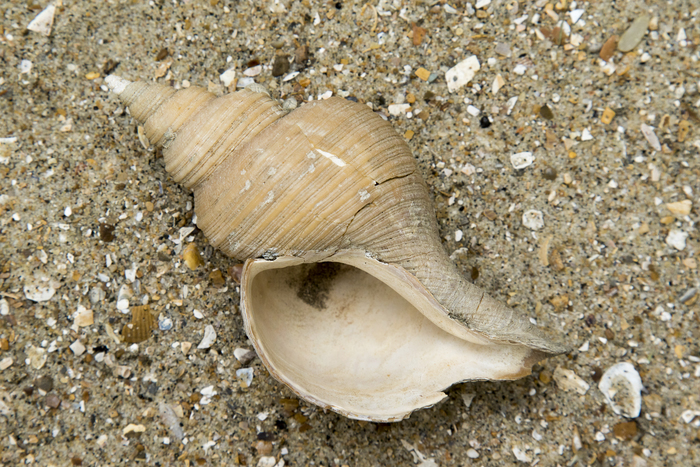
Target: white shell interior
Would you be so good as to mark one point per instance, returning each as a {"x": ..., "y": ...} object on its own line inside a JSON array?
[{"x": 343, "y": 339}]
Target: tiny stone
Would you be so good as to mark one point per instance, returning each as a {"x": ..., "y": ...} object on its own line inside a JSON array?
[
  {"x": 484, "y": 121},
  {"x": 472, "y": 454},
  {"x": 546, "y": 112},
  {"x": 634, "y": 34},
  {"x": 570, "y": 381},
  {"x": 549, "y": 173},
  {"x": 52, "y": 401},
  {"x": 650, "y": 136},
  {"x": 423, "y": 74},
  {"x": 209, "y": 337},
  {"x": 625, "y": 430},
  {"x": 498, "y": 83},
  {"x": 608, "y": 49},
  {"x": 503, "y": 49},
  {"x": 280, "y": 66}
]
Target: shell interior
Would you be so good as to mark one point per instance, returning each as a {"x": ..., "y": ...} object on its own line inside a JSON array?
[{"x": 345, "y": 340}]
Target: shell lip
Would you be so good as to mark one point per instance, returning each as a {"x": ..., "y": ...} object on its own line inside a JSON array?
[{"x": 421, "y": 395}]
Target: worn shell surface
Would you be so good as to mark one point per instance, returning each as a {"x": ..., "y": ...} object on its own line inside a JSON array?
[{"x": 347, "y": 293}]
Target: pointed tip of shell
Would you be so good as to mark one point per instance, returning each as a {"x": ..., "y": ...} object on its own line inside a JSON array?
[{"x": 116, "y": 84}]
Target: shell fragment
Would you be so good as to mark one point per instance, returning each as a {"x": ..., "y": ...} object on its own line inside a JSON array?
[
  {"x": 622, "y": 388},
  {"x": 522, "y": 160}
]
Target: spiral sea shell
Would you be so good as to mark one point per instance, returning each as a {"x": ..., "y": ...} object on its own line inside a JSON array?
[{"x": 346, "y": 292}]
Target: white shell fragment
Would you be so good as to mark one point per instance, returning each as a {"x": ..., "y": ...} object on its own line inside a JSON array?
[
  {"x": 622, "y": 388},
  {"x": 650, "y": 136},
  {"x": 459, "y": 75},
  {"x": 227, "y": 77},
  {"x": 522, "y": 160},
  {"x": 36, "y": 356},
  {"x": 245, "y": 375},
  {"x": 209, "y": 337},
  {"x": 38, "y": 293},
  {"x": 676, "y": 238},
  {"x": 170, "y": 420},
  {"x": 43, "y": 22},
  {"x": 83, "y": 317},
  {"x": 533, "y": 219},
  {"x": 570, "y": 381}
]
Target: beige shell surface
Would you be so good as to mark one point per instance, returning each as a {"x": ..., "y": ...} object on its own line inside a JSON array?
[{"x": 333, "y": 183}]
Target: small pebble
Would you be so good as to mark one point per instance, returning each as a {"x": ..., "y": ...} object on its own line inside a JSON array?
[
  {"x": 650, "y": 136},
  {"x": 78, "y": 348},
  {"x": 680, "y": 208},
  {"x": 634, "y": 34}
]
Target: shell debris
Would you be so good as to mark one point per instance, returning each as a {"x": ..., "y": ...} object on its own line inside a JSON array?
[
  {"x": 141, "y": 325},
  {"x": 622, "y": 387}
]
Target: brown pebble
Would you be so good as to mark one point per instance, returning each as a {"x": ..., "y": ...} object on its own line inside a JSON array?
[
  {"x": 53, "y": 401},
  {"x": 162, "y": 54},
  {"x": 608, "y": 49},
  {"x": 609, "y": 335},
  {"x": 490, "y": 215},
  {"x": 217, "y": 279},
  {"x": 545, "y": 376},
  {"x": 549, "y": 173},
  {"x": 106, "y": 232},
  {"x": 474, "y": 273},
  {"x": 76, "y": 461},
  {"x": 45, "y": 383},
  {"x": 280, "y": 66},
  {"x": 625, "y": 430},
  {"x": 418, "y": 34},
  {"x": 191, "y": 256},
  {"x": 4, "y": 344},
  {"x": 546, "y": 112}
]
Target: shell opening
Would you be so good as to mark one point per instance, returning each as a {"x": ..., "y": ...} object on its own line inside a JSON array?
[{"x": 341, "y": 338}]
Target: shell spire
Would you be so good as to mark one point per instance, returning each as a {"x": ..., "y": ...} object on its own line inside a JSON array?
[{"x": 347, "y": 293}]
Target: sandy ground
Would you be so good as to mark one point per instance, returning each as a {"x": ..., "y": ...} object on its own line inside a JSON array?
[{"x": 85, "y": 209}]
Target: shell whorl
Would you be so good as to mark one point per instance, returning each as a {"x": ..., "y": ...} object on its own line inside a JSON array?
[{"x": 329, "y": 177}]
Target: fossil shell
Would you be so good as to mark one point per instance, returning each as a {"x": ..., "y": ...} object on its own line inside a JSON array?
[{"x": 346, "y": 292}]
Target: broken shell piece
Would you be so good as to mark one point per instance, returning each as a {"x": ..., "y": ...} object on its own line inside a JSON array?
[
  {"x": 533, "y": 220},
  {"x": 209, "y": 337},
  {"x": 43, "y": 22},
  {"x": 38, "y": 293},
  {"x": 570, "y": 381},
  {"x": 459, "y": 75},
  {"x": 650, "y": 136},
  {"x": 622, "y": 388},
  {"x": 140, "y": 327},
  {"x": 37, "y": 357},
  {"x": 133, "y": 431},
  {"x": 245, "y": 376},
  {"x": 680, "y": 208},
  {"x": 83, "y": 317},
  {"x": 522, "y": 160}
]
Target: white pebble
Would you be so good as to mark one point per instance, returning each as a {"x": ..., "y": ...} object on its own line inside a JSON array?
[
  {"x": 43, "y": 22},
  {"x": 227, "y": 77},
  {"x": 78, "y": 348},
  {"x": 519, "y": 69}
]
